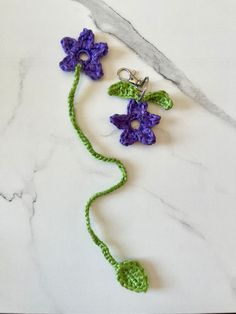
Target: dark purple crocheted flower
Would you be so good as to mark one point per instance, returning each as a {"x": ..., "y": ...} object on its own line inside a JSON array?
[
  {"x": 137, "y": 111},
  {"x": 85, "y": 52}
]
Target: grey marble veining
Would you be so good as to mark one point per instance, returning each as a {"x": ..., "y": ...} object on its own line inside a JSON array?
[
  {"x": 109, "y": 21},
  {"x": 23, "y": 68},
  {"x": 176, "y": 215},
  {"x": 12, "y": 197}
]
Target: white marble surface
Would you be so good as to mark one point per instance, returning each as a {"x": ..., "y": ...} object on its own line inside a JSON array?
[{"x": 176, "y": 214}]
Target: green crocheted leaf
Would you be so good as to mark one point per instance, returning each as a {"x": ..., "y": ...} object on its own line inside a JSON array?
[
  {"x": 161, "y": 98},
  {"x": 131, "y": 275},
  {"x": 124, "y": 90}
]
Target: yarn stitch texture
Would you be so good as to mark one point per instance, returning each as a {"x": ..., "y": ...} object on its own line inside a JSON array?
[
  {"x": 84, "y": 51},
  {"x": 130, "y": 274},
  {"x": 136, "y": 111},
  {"x": 128, "y": 91}
]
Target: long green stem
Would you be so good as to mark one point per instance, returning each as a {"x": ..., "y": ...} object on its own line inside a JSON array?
[{"x": 88, "y": 145}]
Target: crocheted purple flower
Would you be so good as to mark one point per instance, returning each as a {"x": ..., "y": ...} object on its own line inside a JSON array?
[
  {"x": 85, "y": 52},
  {"x": 137, "y": 111}
]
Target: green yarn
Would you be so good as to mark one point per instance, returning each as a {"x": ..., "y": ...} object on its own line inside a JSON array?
[
  {"x": 126, "y": 90},
  {"x": 130, "y": 274},
  {"x": 161, "y": 98}
]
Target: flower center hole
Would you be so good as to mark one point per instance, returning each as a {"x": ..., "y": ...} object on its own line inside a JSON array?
[
  {"x": 135, "y": 124},
  {"x": 84, "y": 56}
]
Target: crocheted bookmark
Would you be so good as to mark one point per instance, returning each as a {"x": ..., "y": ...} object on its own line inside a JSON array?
[
  {"x": 129, "y": 273},
  {"x": 84, "y": 55}
]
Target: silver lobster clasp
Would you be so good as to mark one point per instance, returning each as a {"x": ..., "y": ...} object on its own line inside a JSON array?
[{"x": 141, "y": 84}]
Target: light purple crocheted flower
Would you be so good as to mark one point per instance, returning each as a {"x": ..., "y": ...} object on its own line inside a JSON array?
[
  {"x": 83, "y": 47},
  {"x": 137, "y": 111}
]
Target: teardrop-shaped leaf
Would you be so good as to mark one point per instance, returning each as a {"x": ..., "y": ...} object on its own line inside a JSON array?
[
  {"x": 124, "y": 90},
  {"x": 131, "y": 275},
  {"x": 161, "y": 98}
]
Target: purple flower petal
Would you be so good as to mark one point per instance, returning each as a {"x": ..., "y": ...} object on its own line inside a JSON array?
[
  {"x": 86, "y": 39},
  {"x": 68, "y": 63},
  {"x": 128, "y": 137},
  {"x": 121, "y": 121},
  {"x": 149, "y": 120},
  {"x": 137, "y": 108},
  {"x": 93, "y": 69},
  {"x": 69, "y": 45},
  {"x": 143, "y": 133},
  {"x": 85, "y": 52},
  {"x": 146, "y": 136},
  {"x": 99, "y": 50}
]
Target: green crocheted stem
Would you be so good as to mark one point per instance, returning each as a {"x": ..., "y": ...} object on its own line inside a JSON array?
[
  {"x": 88, "y": 145},
  {"x": 130, "y": 274},
  {"x": 127, "y": 90}
]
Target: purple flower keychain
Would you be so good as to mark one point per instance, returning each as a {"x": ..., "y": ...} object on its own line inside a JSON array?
[
  {"x": 135, "y": 90},
  {"x": 83, "y": 55},
  {"x": 136, "y": 112}
]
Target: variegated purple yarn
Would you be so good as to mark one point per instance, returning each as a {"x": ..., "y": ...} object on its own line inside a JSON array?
[
  {"x": 137, "y": 111},
  {"x": 85, "y": 45}
]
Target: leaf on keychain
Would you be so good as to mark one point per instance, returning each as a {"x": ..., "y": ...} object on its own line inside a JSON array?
[
  {"x": 161, "y": 98},
  {"x": 131, "y": 275},
  {"x": 124, "y": 90}
]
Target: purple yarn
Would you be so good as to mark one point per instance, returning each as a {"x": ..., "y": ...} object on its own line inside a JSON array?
[
  {"x": 84, "y": 45},
  {"x": 137, "y": 111}
]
